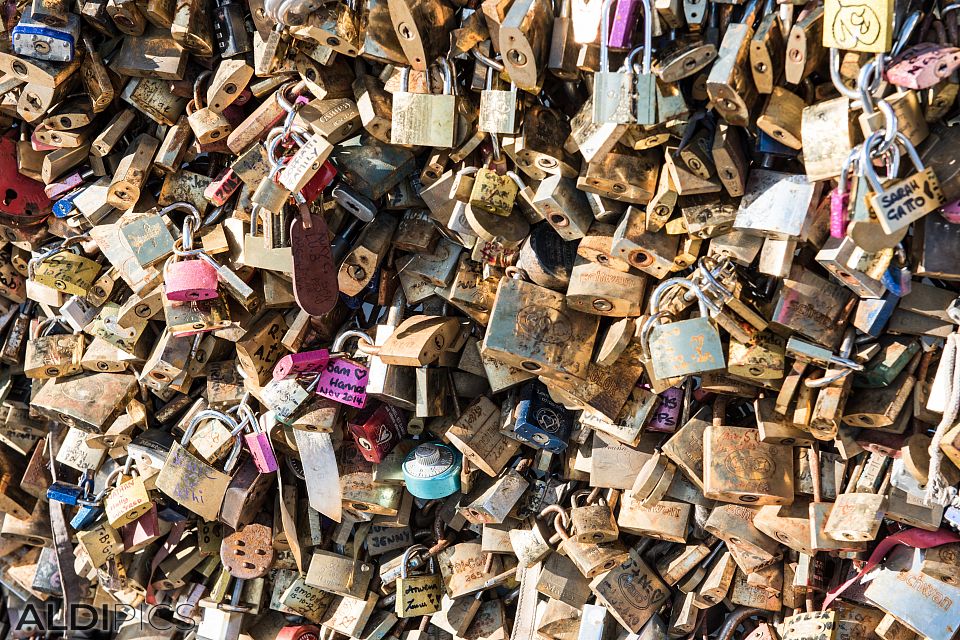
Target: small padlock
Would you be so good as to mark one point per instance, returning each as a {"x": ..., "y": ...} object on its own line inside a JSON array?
[
  {"x": 423, "y": 119},
  {"x": 188, "y": 280},
  {"x": 417, "y": 595},
  {"x": 687, "y": 346},
  {"x": 344, "y": 380},
  {"x": 208, "y": 126},
  {"x": 128, "y": 500},
  {"x": 590, "y": 558},
  {"x": 593, "y": 521},
  {"x": 258, "y": 441},
  {"x": 53, "y": 356}
]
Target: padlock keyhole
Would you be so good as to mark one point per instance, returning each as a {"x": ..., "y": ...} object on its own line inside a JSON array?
[{"x": 9, "y": 196}]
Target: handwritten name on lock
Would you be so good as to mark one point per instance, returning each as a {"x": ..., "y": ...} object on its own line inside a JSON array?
[{"x": 345, "y": 382}]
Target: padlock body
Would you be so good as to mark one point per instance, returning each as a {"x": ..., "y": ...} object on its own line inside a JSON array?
[
  {"x": 262, "y": 451},
  {"x": 344, "y": 381},
  {"x": 418, "y": 596},
  {"x": 377, "y": 433},
  {"x": 190, "y": 281},
  {"x": 684, "y": 348}
]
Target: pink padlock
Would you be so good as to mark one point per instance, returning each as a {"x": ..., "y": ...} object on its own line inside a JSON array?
[
  {"x": 923, "y": 65},
  {"x": 187, "y": 277},
  {"x": 261, "y": 449},
  {"x": 666, "y": 413},
  {"x": 951, "y": 212},
  {"x": 295, "y": 364},
  {"x": 258, "y": 441},
  {"x": 344, "y": 380},
  {"x": 189, "y": 281},
  {"x": 839, "y": 203}
]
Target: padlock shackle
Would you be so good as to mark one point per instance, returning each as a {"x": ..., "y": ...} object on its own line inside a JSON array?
[
  {"x": 341, "y": 339},
  {"x": 206, "y": 414},
  {"x": 706, "y": 305},
  {"x": 605, "y": 35},
  {"x": 204, "y": 75},
  {"x": 866, "y": 166},
  {"x": 487, "y": 61},
  {"x": 408, "y": 554}
]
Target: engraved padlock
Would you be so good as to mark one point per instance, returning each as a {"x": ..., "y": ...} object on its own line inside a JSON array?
[
  {"x": 593, "y": 520},
  {"x": 128, "y": 500},
  {"x": 53, "y": 356},
  {"x": 188, "y": 280},
  {"x": 424, "y": 119},
  {"x": 684, "y": 347},
  {"x": 590, "y": 558},
  {"x": 208, "y": 126}
]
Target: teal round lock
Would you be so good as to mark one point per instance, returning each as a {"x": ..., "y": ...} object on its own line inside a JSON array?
[{"x": 432, "y": 470}]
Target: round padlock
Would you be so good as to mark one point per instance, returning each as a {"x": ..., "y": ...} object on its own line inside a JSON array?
[{"x": 432, "y": 470}]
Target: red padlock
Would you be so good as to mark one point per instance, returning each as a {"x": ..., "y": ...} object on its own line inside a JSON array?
[
  {"x": 320, "y": 181},
  {"x": 222, "y": 187},
  {"x": 21, "y": 198},
  {"x": 378, "y": 432}
]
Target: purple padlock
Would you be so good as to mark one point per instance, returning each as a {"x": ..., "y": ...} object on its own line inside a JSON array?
[
  {"x": 294, "y": 364},
  {"x": 344, "y": 381},
  {"x": 189, "y": 281},
  {"x": 666, "y": 413},
  {"x": 625, "y": 18}
]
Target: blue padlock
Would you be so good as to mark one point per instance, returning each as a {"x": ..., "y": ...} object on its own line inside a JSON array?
[
  {"x": 541, "y": 422},
  {"x": 68, "y": 494},
  {"x": 432, "y": 470},
  {"x": 86, "y": 516},
  {"x": 64, "y": 206}
]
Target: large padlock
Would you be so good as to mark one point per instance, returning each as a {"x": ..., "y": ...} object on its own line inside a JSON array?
[
  {"x": 684, "y": 347},
  {"x": 52, "y": 356},
  {"x": 190, "y": 481},
  {"x": 424, "y": 119},
  {"x": 417, "y": 595}
]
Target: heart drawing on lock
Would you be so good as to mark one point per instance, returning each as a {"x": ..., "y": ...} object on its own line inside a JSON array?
[{"x": 360, "y": 374}]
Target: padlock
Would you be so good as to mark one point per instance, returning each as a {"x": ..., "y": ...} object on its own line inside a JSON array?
[
  {"x": 207, "y": 124},
  {"x": 905, "y": 201},
  {"x": 424, "y": 119},
  {"x": 178, "y": 477},
  {"x": 592, "y": 522},
  {"x": 417, "y": 595},
  {"x": 432, "y": 470},
  {"x": 52, "y": 356},
  {"x": 258, "y": 441},
  {"x": 189, "y": 280},
  {"x": 590, "y": 558},
  {"x": 344, "y": 380},
  {"x": 687, "y": 346},
  {"x": 128, "y": 500}
]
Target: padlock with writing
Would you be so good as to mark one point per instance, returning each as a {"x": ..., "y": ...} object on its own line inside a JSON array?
[
  {"x": 592, "y": 521},
  {"x": 343, "y": 379},
  {"x": 424, "y": 119},
  {"x": 127, "y": 500},
  {"x": 417, "y": 595},
  {"x": 194, "y": 484},
  {"x": 687, "y": 346}
]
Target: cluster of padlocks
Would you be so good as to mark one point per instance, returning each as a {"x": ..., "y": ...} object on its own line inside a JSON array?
[{"x": 480, "y": 319}]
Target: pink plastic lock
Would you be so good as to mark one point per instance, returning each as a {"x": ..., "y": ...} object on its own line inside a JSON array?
[
  {"x": 666, "y": 413},
  {"x": 839, "y": 203},
  {"x": 294, "y": 364},
  {"x": 190, "y": 280},
  {"x": 344, "y": 381},
  {"x": 261, "y": 450}
]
